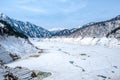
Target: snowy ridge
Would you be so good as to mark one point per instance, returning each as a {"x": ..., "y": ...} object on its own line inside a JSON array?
[{"x": 62, "y": 33}]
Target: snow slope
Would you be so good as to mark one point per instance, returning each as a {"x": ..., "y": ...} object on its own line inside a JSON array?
[
  {"x": 4, "y": 56},
  {"x": 69, "y": 61},
  {"x": 17, "y": 46}
]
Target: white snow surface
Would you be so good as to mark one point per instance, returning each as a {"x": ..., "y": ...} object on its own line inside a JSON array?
[
  {"x": 72, "y": 61},
  {"x": 1, "y": 25},
  {"x": 109, "y": 42},
  {"x": 4, "y": 55}
]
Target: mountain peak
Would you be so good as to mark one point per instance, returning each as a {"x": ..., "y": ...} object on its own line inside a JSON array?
[
  {"x": 2, "y": 15},
  {"x": 118, "y": 16}
]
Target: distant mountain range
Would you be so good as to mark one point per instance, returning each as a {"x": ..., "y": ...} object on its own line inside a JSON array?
[
  {"x": 108, "y": 28},
  {"x": 64, "y": 32}
]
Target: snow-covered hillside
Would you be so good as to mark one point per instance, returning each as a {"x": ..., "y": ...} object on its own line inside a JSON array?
[
  {"x": 13, "y": 43},
  {"x": 97, "y": 29},
  {"x": 70, "y": 61},
  {"x": 17, "y": 46}
]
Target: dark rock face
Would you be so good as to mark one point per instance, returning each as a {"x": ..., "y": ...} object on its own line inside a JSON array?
[{"x": 98, "y": 29}]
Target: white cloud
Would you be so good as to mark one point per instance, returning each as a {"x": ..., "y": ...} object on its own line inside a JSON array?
[{"x": 52, "y": 7}]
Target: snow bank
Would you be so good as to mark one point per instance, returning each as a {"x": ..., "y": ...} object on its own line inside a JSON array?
[{"x": 109, "y": 42}]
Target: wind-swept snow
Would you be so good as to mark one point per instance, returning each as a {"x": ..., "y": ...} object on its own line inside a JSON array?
[{"x": 69, "y": 61}]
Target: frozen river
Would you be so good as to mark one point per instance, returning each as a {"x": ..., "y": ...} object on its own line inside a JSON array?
[{"x": 68, "y": 61}]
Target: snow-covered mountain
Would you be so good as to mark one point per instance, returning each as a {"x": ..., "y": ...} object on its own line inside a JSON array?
[
  {"x": 97, "y": 29},
  {"x": 32, "y": 30},
  {"x": 13, "y": 44},
  {"x": 26, "y": 28}
]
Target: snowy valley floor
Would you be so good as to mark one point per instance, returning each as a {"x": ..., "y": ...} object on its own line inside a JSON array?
[{"x": 68, "y": 61}]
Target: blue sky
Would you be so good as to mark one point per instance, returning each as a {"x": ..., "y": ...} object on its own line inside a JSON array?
[{"x": 60, "y": 13}]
